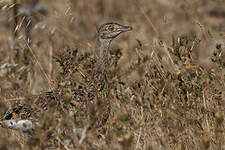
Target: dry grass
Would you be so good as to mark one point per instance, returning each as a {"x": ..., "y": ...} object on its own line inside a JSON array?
[{"x": 166, "y": 77}]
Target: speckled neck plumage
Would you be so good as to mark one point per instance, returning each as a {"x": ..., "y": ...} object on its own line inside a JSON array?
[
  {"x": 106, "y": 33},
  {"x": 103, "y": 55}
]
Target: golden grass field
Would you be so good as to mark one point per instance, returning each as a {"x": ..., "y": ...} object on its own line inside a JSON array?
[{"x": 166, "y": 77}]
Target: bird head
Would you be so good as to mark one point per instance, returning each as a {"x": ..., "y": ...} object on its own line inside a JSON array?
[{"x": 112, "y": 30}]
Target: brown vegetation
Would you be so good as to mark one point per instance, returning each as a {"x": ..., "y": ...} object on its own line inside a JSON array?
[{"x": 166, "y": 78}]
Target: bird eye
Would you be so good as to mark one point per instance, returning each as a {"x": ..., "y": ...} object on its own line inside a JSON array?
[{"x": 111, "y": 28}]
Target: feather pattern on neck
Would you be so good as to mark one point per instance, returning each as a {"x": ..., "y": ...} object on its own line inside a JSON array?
[{"x": 103, "y": 54}]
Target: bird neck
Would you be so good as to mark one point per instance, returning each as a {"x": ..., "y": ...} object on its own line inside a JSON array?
[{"x": 103, "y": 53}]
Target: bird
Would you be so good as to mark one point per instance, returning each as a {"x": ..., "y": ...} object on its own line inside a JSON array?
[{"x": 106, "y": 33}]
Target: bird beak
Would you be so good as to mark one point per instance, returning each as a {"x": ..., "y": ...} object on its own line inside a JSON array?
[{"x": 125, "y": 28}]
